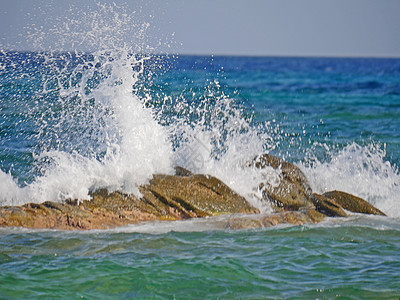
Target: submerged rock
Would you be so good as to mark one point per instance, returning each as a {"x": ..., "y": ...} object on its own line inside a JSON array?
[
  {"x": 353, "y": 203},
  {"x": 302, "y": 217},
  {"x": 292, "y": 192}
]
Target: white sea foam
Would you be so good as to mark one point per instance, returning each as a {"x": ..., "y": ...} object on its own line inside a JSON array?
[
  {"x": 362, "y": 171},
  {"x": 10, "y": 192}
]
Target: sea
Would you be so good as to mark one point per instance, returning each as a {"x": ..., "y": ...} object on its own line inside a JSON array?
[{"x": 75, "y": 121}]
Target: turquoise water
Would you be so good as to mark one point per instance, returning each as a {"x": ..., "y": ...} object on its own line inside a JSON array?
[
  {"x": 350, "y": 260},
  {"x": 73, "y": 122}
]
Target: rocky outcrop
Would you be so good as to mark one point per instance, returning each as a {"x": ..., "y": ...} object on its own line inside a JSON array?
[
  {"x": 353, "y": 203},
  {"x": 186, "y": 195},
  {"x": 292, "y": 190},
  {"x": 167, "y": 197}
]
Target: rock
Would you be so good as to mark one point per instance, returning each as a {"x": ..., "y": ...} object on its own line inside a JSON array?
[
  {"x": 327, "y": 206},
  {"x": 179, "y": 171},
  {"x": 67, "y": 216},
  {"x": 302, "y": 217},
  {"x": 353, "y": 203},
  {"x": 197, "y": 195},
  {"x": 185, "y": 195},
  {"x": 292, "y": 192},
  {"x": 167, "y": 197}
]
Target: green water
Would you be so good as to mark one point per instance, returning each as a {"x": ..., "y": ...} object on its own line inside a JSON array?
[{"x": 356, "y": 258}]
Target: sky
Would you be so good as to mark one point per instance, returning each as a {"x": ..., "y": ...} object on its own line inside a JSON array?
[{"x": 235, "y": 27}]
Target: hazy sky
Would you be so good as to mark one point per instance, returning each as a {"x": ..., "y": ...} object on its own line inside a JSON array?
[{"x": 247, "y": 27}]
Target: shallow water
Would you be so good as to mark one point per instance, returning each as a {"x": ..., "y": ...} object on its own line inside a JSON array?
[{"x": 353, "y": 258}]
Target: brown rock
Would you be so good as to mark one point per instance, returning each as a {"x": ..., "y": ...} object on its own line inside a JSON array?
[
  {"x": 293, "y": 191},
  {"x": 353, "y": 203},
  {"x": 327, "y": 206},
  {"x": 197, "y": 195},
  {"x": 167, "y": 197},
  {"x": 67, "y": 216}
]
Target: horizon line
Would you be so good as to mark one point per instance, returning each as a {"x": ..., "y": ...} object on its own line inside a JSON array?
[{"x": 286, "y": 55}]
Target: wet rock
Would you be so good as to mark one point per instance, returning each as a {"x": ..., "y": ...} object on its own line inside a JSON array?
[
  {"x": 305, "y": 216},
  {"x": 353, "y": 203},
  {"x": 185, "y": 195},
  {"x": 167, "y": 197},
  {"x": 67, "y": 216},
  {"x": 327, "y": 206},
  {"x": 125, "y": 206},
  {"x": 197, "y": 195},
  {"x": 292, "y": 190},
  {"x": 179, "y": 171},
  {"x": 244, "y": 222}
]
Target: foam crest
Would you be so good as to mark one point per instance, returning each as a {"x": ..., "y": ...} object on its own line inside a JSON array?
[
  {"x": 362, "y": 171},
  {"x": 10, "y": 192}
]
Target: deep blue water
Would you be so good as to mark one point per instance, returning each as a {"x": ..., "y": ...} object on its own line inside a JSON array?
[
  {"x": 334, "y": 100},
  {"x": 337, "y": 118}
]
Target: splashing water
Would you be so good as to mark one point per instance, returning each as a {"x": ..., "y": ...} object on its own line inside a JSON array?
[
  {"x": 95, "y": 121},
  {"x": 93, "y": 132},
  {"x": 134, "y": 146},
  {"x": 361, "y": 171}
]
